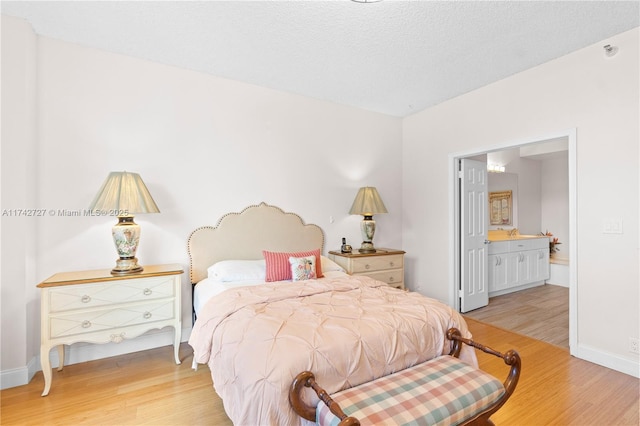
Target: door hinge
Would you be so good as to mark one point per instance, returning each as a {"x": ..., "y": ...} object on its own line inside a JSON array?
[{"x": 460, "y": 174}]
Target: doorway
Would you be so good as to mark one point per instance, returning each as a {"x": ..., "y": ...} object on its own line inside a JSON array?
[{"x": 454, "y": 229}]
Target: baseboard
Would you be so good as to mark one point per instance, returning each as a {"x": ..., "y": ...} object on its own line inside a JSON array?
[
  {"x": 559, "y": 274},
  {"x": 18, "y": 376},
  {"x": 83, "y": 352},
  {"x": 515, "y": 289},
  {"x": 612, "y": 361}
]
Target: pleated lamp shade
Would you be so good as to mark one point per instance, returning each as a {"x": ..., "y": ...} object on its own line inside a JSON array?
[
  {"x": 367, "y": 202},
  {"x": 123, "y": 195}
]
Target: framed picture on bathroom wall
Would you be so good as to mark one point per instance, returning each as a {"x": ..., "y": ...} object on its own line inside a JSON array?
[{"x": 500, "y": 208}]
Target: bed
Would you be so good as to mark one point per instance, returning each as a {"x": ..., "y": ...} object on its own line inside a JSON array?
[{"x": 257, "y": 332}]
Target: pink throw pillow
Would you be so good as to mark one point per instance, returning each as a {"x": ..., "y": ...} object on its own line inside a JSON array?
[{"x": 278, "y": 267}]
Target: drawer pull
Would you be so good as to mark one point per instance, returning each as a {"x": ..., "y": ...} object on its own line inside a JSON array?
[
  {"x": 392, "y": 264},
  {"x": 147, "y": 291},
  {"x": 85, "y": 299},
  {"x": 367, "y": 266},
  {"x": 390, "y": 279},
  {"x": 117, "y": 338},
  {"x": 147, "y": 315},
  {"x": 86, "y": 324}
]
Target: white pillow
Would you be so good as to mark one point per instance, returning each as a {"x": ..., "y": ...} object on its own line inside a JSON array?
[
  {"x": 303, "y": 268},
  {"x": 330, "y": 265},
  {"x": 238, "y": 270}
]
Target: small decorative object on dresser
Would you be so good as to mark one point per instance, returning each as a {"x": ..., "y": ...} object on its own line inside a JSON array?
[
  {"x": 345, "y": 248},
  {"x": 98, "y": 307},
  {"x": 385, "y": 264}
]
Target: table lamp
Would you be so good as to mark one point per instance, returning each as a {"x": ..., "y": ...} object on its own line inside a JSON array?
[
  {"x": 124, "y": 194},
  {"x": 367, "y": 203}
]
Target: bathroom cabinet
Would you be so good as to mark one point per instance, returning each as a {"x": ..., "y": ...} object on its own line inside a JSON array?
[{"x": 517, "y": 264}]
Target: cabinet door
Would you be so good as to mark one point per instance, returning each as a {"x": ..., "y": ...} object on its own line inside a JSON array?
[
  {"x": 492, "y": 264},
  {"x": 527, "y": 264},
  {"x": 497, "y": 272},
  {"x": 514, "y": 269},
  {"x": 534, "y": 266},
  {"x": 542, "y": 264}
]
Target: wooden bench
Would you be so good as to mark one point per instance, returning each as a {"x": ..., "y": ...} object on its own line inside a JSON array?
[{"x": 441, "y": 391}]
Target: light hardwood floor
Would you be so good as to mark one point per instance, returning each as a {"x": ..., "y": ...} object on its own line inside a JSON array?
[
  {"x": 540, "y": 312},
  {"x": 142, "y": 388},
  {"x": 147, "y": 388}
]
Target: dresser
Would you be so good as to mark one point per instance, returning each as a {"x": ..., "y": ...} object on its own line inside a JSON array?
[
  {"x": 385, "y": 265},
  {"x": 97, "y": 307}
]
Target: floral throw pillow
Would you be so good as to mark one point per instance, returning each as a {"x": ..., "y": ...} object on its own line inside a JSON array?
[{"x": 303, "y": 268}]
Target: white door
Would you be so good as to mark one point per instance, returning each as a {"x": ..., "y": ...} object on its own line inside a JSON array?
[{"x": 474, "y": 221}]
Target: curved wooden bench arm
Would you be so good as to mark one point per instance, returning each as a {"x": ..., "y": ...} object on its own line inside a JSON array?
[
  {"x": 307, "y": 379},
  {"x": 511, "y": 358}
]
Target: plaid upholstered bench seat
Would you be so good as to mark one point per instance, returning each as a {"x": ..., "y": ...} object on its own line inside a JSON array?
[{"x": 441, "y": 391}]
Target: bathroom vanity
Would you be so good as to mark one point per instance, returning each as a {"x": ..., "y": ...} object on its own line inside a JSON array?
[{"x": 516, "y": 262}]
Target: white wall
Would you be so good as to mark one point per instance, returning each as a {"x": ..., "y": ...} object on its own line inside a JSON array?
[
  {"x": 599, "y": 97},
  {"x": 204, "y": 146},
  {"x": 18, "y": 304},
  {"x": 554, "y": 206},
  {"x": 529, "y": 194}
]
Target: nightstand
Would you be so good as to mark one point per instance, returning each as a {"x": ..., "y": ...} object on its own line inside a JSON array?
[
  {"x": 385, "y": 265},
  {"x": 97, "y": 307}
]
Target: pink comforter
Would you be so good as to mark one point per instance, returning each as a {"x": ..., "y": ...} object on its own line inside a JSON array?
[{"x": 346, "y": 330}]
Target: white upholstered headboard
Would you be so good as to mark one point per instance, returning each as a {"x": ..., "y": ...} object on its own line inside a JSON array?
[{"x": 245, "y": 234}]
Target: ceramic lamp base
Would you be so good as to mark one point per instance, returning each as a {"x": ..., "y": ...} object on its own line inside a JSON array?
[
  {"x": 367, "y": 247},
  {"x": 126, "y": 237},
  {"x": 368, "y": 230},
  {"x": 126, "y": 266}
]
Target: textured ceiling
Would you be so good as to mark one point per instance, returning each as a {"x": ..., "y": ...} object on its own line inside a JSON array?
[{"x": 394, "y": 57}]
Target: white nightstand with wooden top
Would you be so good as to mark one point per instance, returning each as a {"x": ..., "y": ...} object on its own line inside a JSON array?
[
  {"x": 98, "y": 307},
  {"x": 385, "y": 265}
]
